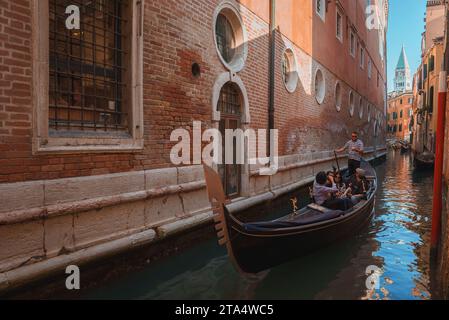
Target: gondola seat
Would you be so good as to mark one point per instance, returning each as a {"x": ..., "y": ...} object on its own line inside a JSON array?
[{"x": 300, "y": 220}]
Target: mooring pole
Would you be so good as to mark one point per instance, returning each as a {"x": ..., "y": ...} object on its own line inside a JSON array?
[{"x": 439, "y": 158}]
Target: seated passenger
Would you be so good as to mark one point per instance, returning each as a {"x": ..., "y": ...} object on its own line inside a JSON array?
[
  {"x": 325, "y": 196},
  {"x": 340, "y": 183},
  {"x": 359, "y": 186},
  {"x": 329, "y": 174}
]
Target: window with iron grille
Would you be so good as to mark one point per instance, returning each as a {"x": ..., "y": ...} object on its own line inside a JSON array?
[
  {"x": 285, "y": 68},
  {"x": 230, "y": 102},
  {"x": 86, "y": 84},
  {"x": 225, "y": 38}
]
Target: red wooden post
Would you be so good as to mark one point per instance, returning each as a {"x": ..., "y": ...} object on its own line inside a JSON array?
[{"x": 439, "y": 157}]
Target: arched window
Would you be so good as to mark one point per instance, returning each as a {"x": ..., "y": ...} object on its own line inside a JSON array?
[
  {"x": 289, "y": 70},
  {"x": 225, "y": 38},
  {"x": 320, "y": 86},
  {"x": 338, "y": 96},
  {"x": 351, "y": 103},
  {"x": 230, "y": 37}
]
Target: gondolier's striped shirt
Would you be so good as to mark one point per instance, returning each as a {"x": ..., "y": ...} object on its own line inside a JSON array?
[{"x": 351, "y": 145}]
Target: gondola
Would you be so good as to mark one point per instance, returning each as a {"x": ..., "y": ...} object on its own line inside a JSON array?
[
  {"x": 258, "y": 246},
  {"x": 424, "y": 161},
  {"x": 405, "y": 148}
]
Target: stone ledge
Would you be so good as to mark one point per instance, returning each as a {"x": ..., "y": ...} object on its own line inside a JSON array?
[
  {"x": 94, "y": 204},
  {"x": 179, "y": 226}
]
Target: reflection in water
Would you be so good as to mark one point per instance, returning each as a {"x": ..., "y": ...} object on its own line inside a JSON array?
[{"x": 396, "y": 242}]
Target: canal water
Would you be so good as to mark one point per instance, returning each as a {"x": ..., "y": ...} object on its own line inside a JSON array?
[{"x": 395, "y": 245}]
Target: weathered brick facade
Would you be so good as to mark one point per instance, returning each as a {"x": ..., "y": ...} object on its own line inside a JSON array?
[{"x": 177, "y": 34}]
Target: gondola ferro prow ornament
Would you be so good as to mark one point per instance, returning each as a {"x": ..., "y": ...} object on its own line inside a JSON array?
[{"x": 218, "y": 201}]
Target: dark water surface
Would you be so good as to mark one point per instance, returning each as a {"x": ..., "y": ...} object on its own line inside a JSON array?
[{"x": 396, "y": 242}]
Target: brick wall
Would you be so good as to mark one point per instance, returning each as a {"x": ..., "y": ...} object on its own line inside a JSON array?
[{"x": 176, "y": 34}]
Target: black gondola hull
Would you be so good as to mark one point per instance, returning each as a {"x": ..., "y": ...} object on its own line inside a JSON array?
[
  {"x": 258, "y": 246},
  {"x": 256, "y": 253},
  {"x": 422, "y": 164}
]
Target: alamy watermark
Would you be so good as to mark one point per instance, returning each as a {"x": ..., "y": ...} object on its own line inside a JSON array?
[
  {"x": 73, "y": 21},
  {"x": 373, "y": 279},
  {"x": 238, "y": 147},
  {"x": 73, "y": 281},
  {"x": 375, "y": 20}
]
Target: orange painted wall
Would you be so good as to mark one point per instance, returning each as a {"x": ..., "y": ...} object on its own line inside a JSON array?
[{"x": 298, "y": 21}]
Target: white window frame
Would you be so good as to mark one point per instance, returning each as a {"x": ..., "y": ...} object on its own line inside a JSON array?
[
  {"x": 339, "y": 14},
  {"x": 43, "y": 142},
  {"x": 321, "y": 14}
]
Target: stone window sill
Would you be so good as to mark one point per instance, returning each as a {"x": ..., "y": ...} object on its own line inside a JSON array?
[{"x": 86, "y": 145}]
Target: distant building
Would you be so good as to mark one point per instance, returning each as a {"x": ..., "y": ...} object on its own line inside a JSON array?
[
  {"x": 400, "y": 116},
  {"x": 402, "y": 75},
  {"x": 426, "y": 79},
  {"x": 434, "y": 23}
]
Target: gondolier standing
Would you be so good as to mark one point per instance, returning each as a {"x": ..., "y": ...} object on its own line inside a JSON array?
[{"x": 355, "y": 152}]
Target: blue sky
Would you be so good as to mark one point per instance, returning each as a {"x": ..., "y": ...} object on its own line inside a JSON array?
[{"x": 406, "y": 24}]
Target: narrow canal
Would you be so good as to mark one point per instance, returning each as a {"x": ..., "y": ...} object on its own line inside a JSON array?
[{"x": 395, "y": 242}]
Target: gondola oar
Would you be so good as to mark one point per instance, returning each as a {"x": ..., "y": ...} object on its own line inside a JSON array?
[{"x": 336, "y": 159}]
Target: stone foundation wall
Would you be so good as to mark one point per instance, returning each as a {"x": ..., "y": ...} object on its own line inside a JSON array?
[{"x": 46, "y": 225}]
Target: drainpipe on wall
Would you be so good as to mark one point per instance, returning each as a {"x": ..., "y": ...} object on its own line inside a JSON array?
[
  {"x": 439, "y": 159},
  {"x": 272, "y": 70}
]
